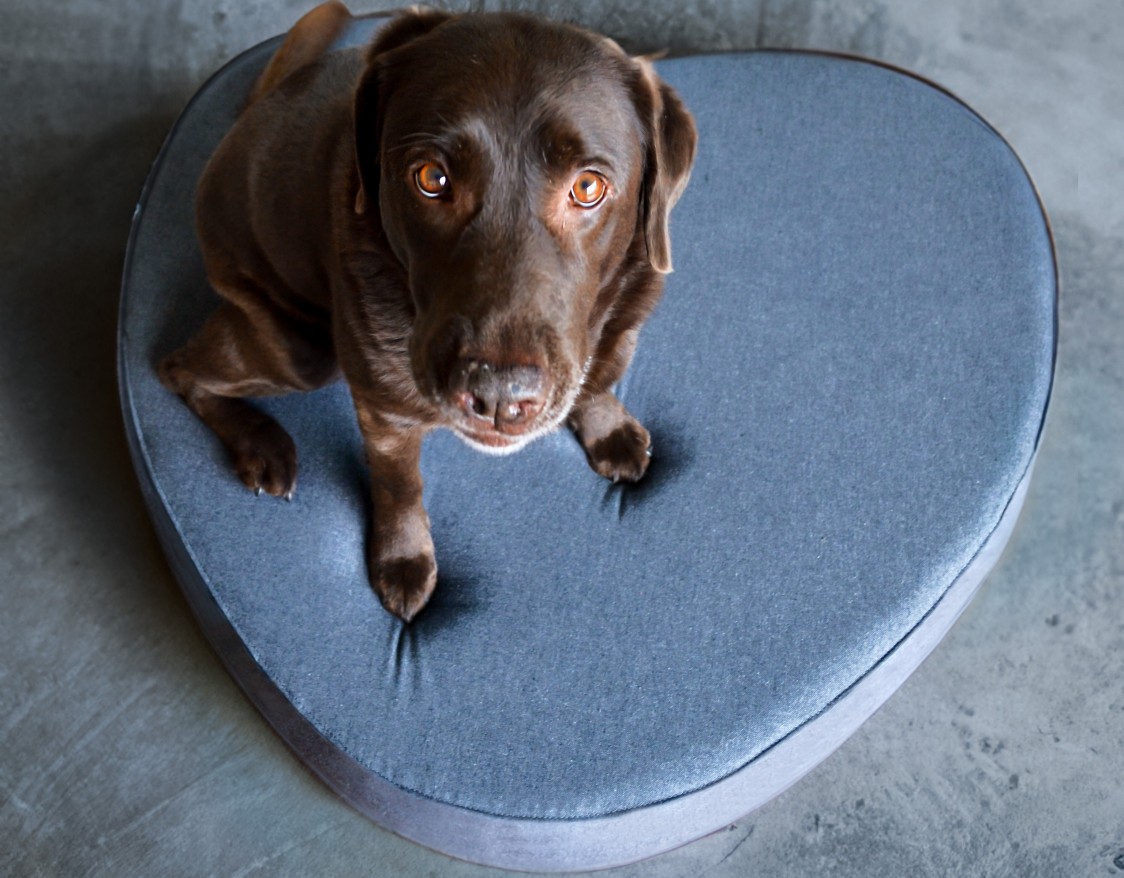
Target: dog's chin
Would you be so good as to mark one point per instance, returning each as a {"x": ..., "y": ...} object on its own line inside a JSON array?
[
  {"x": 501, "y": 444},
  {"x": 494, "y": 443}
]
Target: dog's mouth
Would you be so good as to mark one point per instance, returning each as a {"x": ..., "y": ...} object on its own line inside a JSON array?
[{"x": 491, "y": 441}]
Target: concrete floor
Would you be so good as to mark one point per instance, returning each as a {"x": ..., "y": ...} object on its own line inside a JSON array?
[{"x": 126, "y": 750}]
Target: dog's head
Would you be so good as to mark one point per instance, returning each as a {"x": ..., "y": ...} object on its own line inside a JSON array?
[{"x": 521, "y": 169}]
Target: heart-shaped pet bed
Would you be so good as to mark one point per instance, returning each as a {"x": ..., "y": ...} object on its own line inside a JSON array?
[{"x": 845, "y": 383}]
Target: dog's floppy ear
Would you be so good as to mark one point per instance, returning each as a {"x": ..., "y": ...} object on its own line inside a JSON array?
[
  {"x": 667, "y": 163},
  {"x": 372, "y": 92}
]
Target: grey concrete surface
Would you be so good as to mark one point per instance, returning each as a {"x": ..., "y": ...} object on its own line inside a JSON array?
[{"x": 126, "y": 750}]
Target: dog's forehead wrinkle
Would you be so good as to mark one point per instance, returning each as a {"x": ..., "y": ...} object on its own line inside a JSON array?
[
  {"x": 468, "y": 134},
  {"x": 424, "y": 141},
  {"x": 596, "y": 133}
]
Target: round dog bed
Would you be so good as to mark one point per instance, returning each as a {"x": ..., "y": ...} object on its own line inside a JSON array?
[{"x": 845, "y": 384}]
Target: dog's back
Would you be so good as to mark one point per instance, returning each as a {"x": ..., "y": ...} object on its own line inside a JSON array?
[
  {"x": 308, "y": 40},
  {"x": 268, "y": 176}
]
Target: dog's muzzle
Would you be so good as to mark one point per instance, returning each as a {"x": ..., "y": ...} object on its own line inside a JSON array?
[{"x": 504, "y": 400}]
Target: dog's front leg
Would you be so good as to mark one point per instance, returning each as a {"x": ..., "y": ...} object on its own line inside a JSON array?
[
  {"x": 400, "y": 562},
  {"x": 616, "y": 444}
]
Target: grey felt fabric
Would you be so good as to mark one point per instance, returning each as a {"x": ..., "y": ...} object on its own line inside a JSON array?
[{"x": 845, "y": 384}]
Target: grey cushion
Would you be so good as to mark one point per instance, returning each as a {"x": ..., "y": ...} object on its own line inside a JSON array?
[{"x": 845, "y": 384}]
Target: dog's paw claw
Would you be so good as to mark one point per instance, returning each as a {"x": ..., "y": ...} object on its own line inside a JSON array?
[
  {"x": 623, "y": 455},
  {"x": 404, "y": 585},
  {"x": 266, "y": 461}
]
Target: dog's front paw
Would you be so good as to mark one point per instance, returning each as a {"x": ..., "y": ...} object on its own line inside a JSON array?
[
  {"x": 616, "y": 444},
  {"x": 265, "y": 459},
  {"x": 404, "y": 585},
  {"x": 623, "y": 455},
  {"x": 401, "y": 564}
]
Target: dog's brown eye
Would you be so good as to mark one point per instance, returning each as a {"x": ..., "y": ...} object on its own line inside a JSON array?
[
  {"x": 588, "y": 189},
  {"x": 432, "y": 180}
]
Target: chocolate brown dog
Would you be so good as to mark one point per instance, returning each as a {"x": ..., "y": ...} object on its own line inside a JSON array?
[{"x": 468, "y": 218}]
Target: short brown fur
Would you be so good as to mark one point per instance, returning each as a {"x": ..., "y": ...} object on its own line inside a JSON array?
[{"x": 499, "y": 308}]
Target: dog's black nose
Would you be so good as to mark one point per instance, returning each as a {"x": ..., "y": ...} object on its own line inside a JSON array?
[{"x": 507, "y": 396}]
